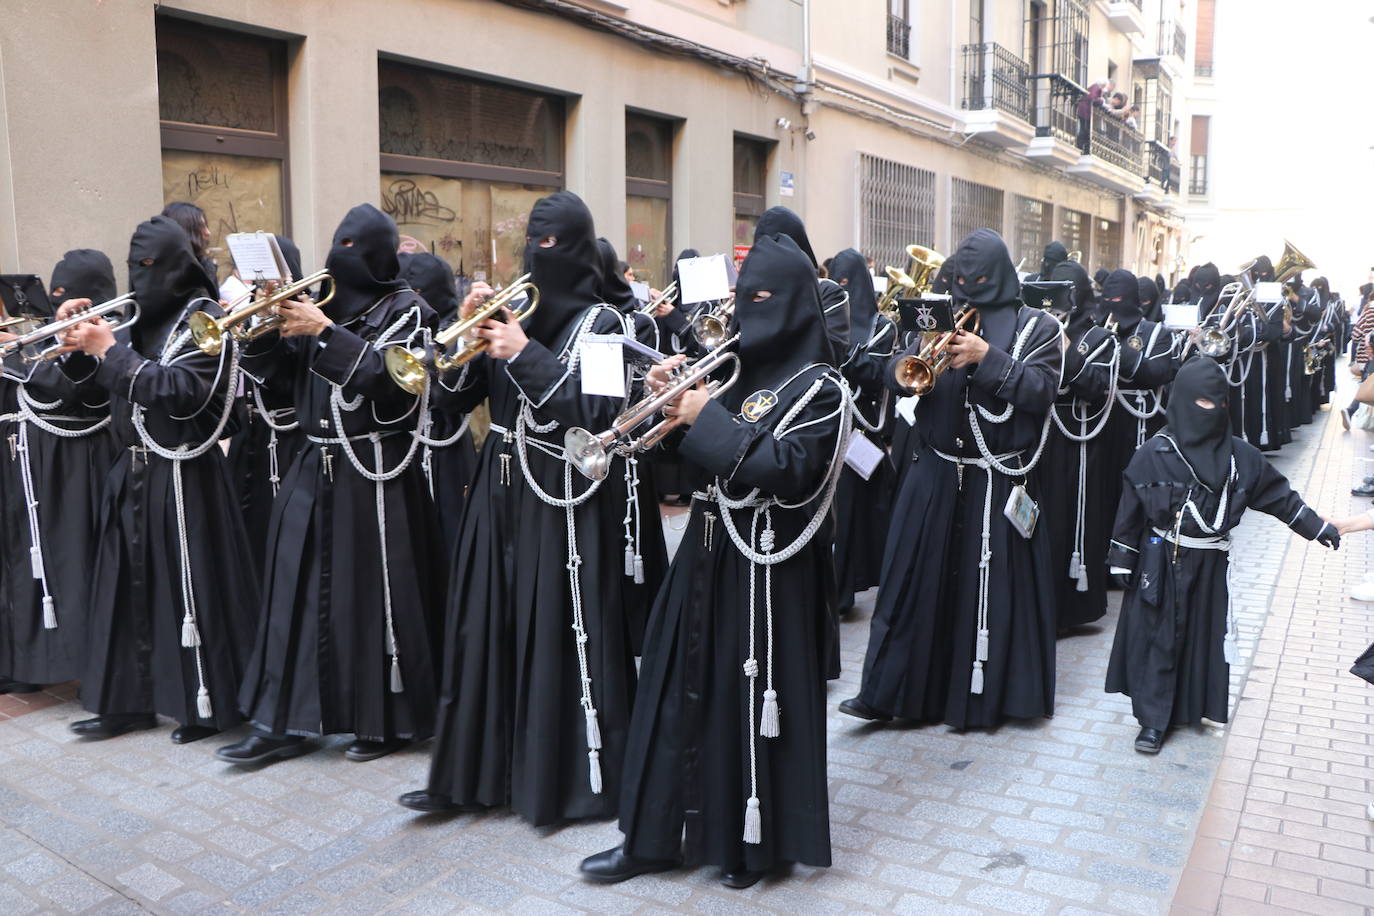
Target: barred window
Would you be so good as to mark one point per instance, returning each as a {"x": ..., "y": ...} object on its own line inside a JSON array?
[
  {"x": 1073, "y": 230},
  {"x": 648, "y": 196},
  {"x": 975, "y": 206},
  {"x": 897, "y": 209},
  {"x": 1107, "y": 245},
  {"x": 1032, "y": 230}
]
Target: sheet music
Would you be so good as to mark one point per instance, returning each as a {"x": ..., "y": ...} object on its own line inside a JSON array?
[
  {"x": 256, "y": 255},
  {"x": 1180, "y": 317},
  {"x": 703, "y": 279}
]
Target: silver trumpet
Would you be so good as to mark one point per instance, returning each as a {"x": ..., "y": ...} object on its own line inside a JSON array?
[
  {"x": 591, "y": 453},
  {"x": 664, "y": 295},
  {"x": 27, "y": 345}
]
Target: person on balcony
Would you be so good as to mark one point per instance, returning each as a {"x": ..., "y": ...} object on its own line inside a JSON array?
[{"x": 1086, "y": 104}]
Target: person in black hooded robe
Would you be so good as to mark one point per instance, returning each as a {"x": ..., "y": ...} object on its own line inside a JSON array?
[
  {"x": 948, "y": 642},
  {"x": 348, "y": 631},
  {"x": 174, "y": 586},
  {"x": 450, "y": 456},
  {"x": 1151, "y": 306},
  {"x": 633, "y": 500},
  {"x": 1072, "y": 473},
  {"x": 1263, "y": 409},
  {"x": 904, "y": 437},
  {"x": 1305, "y": 303},
  {"x": 713, "y": 774},
  {"x": 863, "y": 506},
  {"x": 673, "y": 479},
  {"x": 538, "y": 671},
  {"x": 834, "y": 300},
  {"x": 269, "y": 439},
  {"x": 50, "y": 492},
  {"x": 1055, "y": 254},
  {"x": 1325, "y": 343},
  {"x": 1145, "y": 367},
  {"x": 1186, "y": 489}
]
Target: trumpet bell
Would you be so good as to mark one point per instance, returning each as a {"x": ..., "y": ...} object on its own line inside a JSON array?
[
  {"x": 587, "y": 453},
  {"x": 914, "y": 375},
  {"x": 207, "y": 333},
  {"x": 1213, "y": 342},
  {"x": 407, "y": 370},
  {"x": 1291, "y": 263},
  {"x": 709, "y": 331}
]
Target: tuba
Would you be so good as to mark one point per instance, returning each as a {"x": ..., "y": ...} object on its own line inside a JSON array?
[
  {"x": 899, "y": 284},
  {"x": 1291, "y": 263},
  {"x": 925, "y": 264},
  {"x": 410, "y": 368},
  {"x": 591, "y": 452},
  {"x": 208, "y": 331},
  {"x": 916, "y": 373}
]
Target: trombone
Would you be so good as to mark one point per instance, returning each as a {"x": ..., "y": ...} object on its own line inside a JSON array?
[
  {"x": 591, "y": 453},
  {"x": 410, "y": 368},
  {"x": 208, "y": 331},
  {"x": 916, "y": 373},
  {"x": 666, "y": 294},
  {"x": 710, "y": 328},
  {"x": 23, "y": 342}
]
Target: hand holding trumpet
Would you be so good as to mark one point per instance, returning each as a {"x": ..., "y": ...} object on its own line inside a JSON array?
[{"x": 94, "y": 336}]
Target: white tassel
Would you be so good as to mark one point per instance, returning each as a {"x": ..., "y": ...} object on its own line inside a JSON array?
[
  {"x": 976, "y": 683},
  {"x": 190, "y": 635},
  {"x": 1082, "y": 578},
  {"x": 203, "y": 707},
  {"x": 753, "y": 822},
  {"x": 639, "y": 570},
  {"x": 981, "y": 650},
  {"x": 49, "y": 613},
  {"x": 594, "y": 771},
  {"x": 1075, "y": 565},
  {"x": 36, "y": 561},
  {"x": 1229, "y": 650},
  {"x": 629, "y": 562},
  {"x": 768, "y": 722},
  {"x": 396, "y": 685},
  {"x": 593, "y": 730}
]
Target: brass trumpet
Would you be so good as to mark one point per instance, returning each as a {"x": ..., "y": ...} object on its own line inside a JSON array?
[
  {"x": 54, "y": 329},
  {"x": 208, "y": 331},
  {"x": 899, "y": 285},
  {"x": 664, "y": 295},
  {"x": 916, "y": 373},
  {"x": 591, "y": 453},
  {"x": 410, "y": 368},
  {"x": 711, "y": 328}
]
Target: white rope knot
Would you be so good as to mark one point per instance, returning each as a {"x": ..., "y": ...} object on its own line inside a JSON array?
[
  {"x": 751, "y": 667},
  {"x": 767, "y": 540}
]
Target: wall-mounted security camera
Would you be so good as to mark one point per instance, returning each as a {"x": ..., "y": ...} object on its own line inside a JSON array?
[
  {"x": 784, "y": 124},
  {"x": 810, "y": 134}
]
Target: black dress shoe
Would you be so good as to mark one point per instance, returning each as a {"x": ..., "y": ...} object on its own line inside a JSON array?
[
  {"x": 614, "y": 865},
  {"x": 860, "y": 710},
  {"x": 370, "y": 750},
  {"x": 185, "y": 734},
  {"x": 1149, "y": 741},
  {"x": 741, "y": 877},
  {"x": 8, "y": 685},
  {"x": 113, "y": 725},
  {"x": 1364, "y": 489},
  {"x": 260, "y": 748},
  {"x": 428, "y": 802}
]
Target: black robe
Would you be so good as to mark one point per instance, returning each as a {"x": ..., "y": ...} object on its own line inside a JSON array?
[
  {"x": 1262, "y": 411},
  {"x": 1307, "y": 316},
  {"x": 322, "y": 662},
  {"x": 66, "y": 479},
  {"x": 1169, "y": 654},
  {"x": 259, "y": 454},
  {"x": 1073, "y": 484},
  {"x": 688, "y": 759},
  {"x": 1147, "y": 365},
  {"x": 510, "y": 727},
  {"x": 922, "y": 640},
  {"x": 137, "y": 662}
]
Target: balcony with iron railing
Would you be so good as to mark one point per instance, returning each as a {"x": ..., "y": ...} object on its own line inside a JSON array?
[
  {"x": 1113, "y": 141},
  {"x": 995, "y": 78},
  {"x": 1203, "y": 70},
  {"x": 1163, "y": 169},
  {"x": 1173, "y": 40},
  {"x": 898, "y": 37},
  {"x": 1055, "y": 106}
]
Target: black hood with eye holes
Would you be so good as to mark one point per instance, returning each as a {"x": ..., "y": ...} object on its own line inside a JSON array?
[
  {"x": 1081, "y": 312},
  {"x": 165, "y": 286},
  {"x": 83, "y": 273},
  {"x": 1149, "y": 296},
  {"x": 984, "y": 277},
  {"x": 1122, "y": 285},
  {"x": 568, "y": 274},
  {"x": 363, "y": 262},
  {"x": 850, "y": 270},
  {"x": 431, "y": 277},
  {"x": 614, "y": 290},
  {"x": 784, "y": 332},
  {"x": 1206, "y": 284},
  {"x": 1202, "y": 434},
  {"x": 782, "y": 220},
  {"x": 1055, "y": 254}
]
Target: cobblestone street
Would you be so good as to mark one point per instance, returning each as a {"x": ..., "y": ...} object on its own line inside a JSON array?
[{"x": 1058, "y": 816}]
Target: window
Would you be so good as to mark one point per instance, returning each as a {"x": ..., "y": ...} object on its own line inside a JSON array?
[
  {"x": 751, "y": 177},
  {"x": 463, "y": 160},
  {"x": 1107, "y": 245},
  {"x": 1073, "y": 230},
  {"x": 897, "y": 209},
  {"x": 1202, "y": 54},
  {"x": 222, "y": 105},
  {"x": 975, "y": 206},
  {"x": 1197, "y": 176},
  {"x": 648, "y": 196},
  {"x": 1032, "y": 230},
  {"x": 899, "y": 28},
  {"x": 1070, "y": 51}
]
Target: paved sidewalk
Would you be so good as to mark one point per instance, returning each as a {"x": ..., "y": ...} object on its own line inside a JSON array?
[
  {"x": 1285, "y": 828},
  {"x": 1058, "y": 816}
]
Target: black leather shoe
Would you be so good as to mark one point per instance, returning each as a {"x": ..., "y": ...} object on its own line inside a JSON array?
[
  {"x": 370, "y": 750},
  {"x": 860, "y": 710},
  {"x": 741, "y": 877},
  {"x": 260, "y": 748},
  {"x": 1149, "y": 741},
  {"x": 428, "y": 802},
  {"x": 11, "y": 686},
  {"x": 1365, "y": 489},
  {"x": 185, "y": 734},
  {"x": 113, "y": 725},
  {"x": 614, "y": 865}
]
